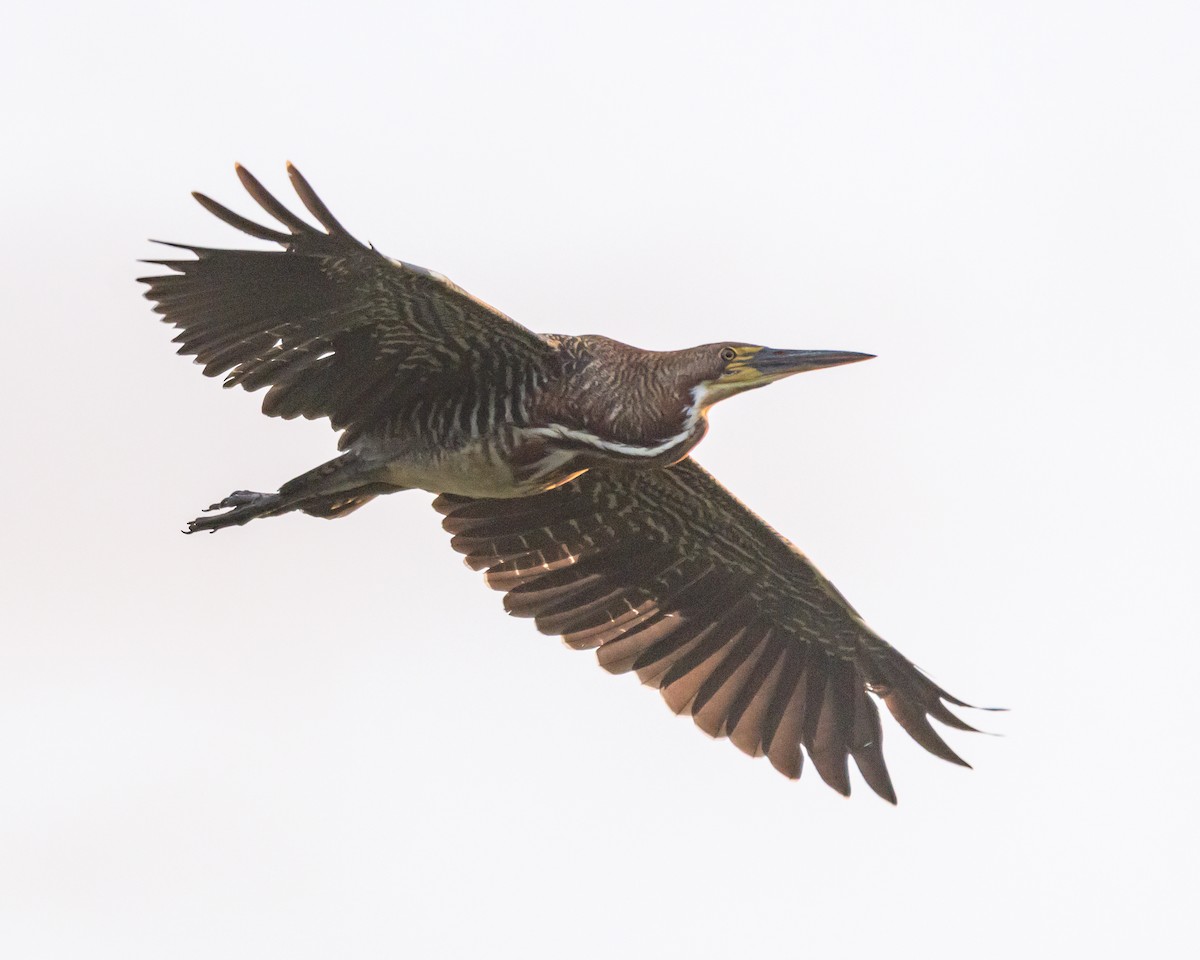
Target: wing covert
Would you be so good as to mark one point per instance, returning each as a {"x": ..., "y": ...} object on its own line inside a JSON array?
[
  {"x": 665, "y": 573},
  {"x": 335, "y": 328}
]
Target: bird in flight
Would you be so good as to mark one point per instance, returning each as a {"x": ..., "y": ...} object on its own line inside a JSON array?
[{"x": 563, "y": 471}]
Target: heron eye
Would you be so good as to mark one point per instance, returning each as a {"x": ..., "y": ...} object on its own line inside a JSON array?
[{"x": 728, "y": 354}]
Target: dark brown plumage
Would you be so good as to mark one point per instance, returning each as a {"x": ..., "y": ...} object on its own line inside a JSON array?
[{"x": 563, "y": 472}]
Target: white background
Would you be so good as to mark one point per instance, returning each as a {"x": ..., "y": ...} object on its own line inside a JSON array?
[{"x": 308, "y": 739}]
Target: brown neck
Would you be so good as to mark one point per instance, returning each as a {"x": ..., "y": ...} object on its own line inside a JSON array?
[{"x": 621, "y": 395}]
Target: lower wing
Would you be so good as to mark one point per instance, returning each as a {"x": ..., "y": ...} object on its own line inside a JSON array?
[{"x": 665, "y": 573}]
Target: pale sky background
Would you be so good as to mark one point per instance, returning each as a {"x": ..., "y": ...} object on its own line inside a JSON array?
[{"x": 306, "y": 739}]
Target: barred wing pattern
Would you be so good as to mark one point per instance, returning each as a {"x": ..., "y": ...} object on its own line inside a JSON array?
[
  {"x": 665, "y": 573},
  {"x": 338, "y": 330}
]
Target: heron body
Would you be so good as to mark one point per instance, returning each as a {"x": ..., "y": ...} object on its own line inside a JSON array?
[
  {"x": 562, "y": 469},
  {"x": 564, "y": 424}
]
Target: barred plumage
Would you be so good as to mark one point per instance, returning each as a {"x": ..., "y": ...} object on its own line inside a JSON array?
[{"x": 562, "y": 464}]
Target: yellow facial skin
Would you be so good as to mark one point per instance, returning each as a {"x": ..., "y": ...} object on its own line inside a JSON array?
[
  {"x": 738, "y": 377},
  {"x": 739, "y": 371}
]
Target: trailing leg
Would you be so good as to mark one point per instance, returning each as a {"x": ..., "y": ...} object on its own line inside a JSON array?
[{"x": 332, "y": 490}]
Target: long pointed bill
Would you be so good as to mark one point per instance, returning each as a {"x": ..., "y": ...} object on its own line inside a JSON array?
[{"x": 774, "y": 364}]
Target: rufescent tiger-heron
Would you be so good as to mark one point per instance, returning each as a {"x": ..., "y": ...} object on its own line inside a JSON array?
[{"x": 562, "y": 469}]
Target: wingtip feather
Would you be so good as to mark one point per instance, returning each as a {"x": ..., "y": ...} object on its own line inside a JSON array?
[{"x": 237, "y": 221}]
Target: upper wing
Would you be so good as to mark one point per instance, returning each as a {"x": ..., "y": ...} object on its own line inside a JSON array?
[
  {"x": 337, "y": 329},
  {"x": 669, "y": 575}
]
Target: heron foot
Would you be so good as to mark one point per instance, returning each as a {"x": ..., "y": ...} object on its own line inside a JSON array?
[{"x": 241, "y": 506}]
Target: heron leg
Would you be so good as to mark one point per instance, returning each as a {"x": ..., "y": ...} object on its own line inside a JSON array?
[{"x": 332, "y": 490}]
